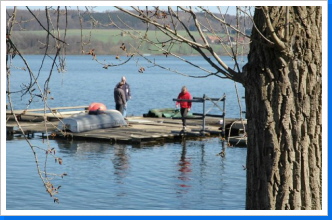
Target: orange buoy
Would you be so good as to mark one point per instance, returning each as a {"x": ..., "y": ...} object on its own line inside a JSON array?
[{"x": 97, "y": 106}]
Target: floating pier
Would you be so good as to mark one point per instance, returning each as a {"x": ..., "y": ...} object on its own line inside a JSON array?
[{"x": 140, "y": 130}]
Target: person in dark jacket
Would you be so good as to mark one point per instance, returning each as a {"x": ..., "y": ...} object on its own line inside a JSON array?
[
  {"x": 126, "y": 88},
  {"x": 119, "y": 97},
  {"x": 184, "y": 105}
]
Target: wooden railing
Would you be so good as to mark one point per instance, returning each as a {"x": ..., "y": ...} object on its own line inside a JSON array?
[{"x": 205, "y": 112}]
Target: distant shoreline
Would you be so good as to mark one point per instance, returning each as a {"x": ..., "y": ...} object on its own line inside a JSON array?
[{"x": 109, "y": 41}]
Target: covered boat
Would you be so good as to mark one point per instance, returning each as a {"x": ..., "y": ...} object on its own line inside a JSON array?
[{"x": 86, "y": 122}]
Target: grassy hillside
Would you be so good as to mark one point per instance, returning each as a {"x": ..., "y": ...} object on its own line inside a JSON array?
[{"x": 104, "y": 41}]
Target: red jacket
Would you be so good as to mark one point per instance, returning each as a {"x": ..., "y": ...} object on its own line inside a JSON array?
[{"x": 185, "y": 95}]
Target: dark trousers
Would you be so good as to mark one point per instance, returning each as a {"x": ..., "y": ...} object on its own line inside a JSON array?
[
  {"x": 119, "y": 107},
  {"x": 184, "y": 113}
]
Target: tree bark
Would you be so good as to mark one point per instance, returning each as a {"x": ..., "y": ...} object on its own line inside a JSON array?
[{"x": 284, "y": 109}]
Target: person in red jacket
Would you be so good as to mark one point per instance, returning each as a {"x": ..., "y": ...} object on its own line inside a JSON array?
[{"x": 184, "y": 105}]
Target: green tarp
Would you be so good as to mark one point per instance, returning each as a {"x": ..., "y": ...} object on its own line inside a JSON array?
[{"x": 165, "y": 113}]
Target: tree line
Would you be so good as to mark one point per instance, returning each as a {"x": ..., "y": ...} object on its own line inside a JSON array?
[
  {"x": 74, "y": 19},
  {"x": 26, "y": 33}
]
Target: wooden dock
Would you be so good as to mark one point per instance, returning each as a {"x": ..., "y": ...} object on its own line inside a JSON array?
[{"x": 140, "y": 130}]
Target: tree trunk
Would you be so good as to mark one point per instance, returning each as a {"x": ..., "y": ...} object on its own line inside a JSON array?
[{"x": 284, "y": 110}]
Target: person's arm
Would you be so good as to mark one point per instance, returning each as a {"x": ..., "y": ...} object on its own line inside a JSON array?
[
  {"x": 177, "y": 103},
  {"x": 129, "y": 92},
  {"x": 123, "y": 97},
  {"x": 115, "y": 94},
  {"x": 189, "y": 103}
]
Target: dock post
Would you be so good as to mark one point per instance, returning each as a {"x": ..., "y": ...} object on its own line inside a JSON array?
[
  {"x": 224, "y": 113},
  {"x": 203, "y": 126},
  {"x": 10, "y": 133}
]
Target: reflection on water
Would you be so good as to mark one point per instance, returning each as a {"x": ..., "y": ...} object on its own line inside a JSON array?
[
  {"x": 120, "y": 161},
  {"x": 185, "y": 168},
  {"x": 81, "y": 147},
  {"x": 182, "y": 176}
]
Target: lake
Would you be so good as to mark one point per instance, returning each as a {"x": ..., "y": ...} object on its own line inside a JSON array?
[{"x": 187, "y": 175}]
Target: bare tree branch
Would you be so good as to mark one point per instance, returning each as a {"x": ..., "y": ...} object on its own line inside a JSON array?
[
  {"x": 220, "y": 66},
  {"x": 43, "y": 26},
  {"x": 35, "y": 91},
  {"x": 281, "y": 45}
]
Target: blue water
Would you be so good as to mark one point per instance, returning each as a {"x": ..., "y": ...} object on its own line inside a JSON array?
[
  {"x": 85, "y": 81},
  {"x": 186, "y": 175}
]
